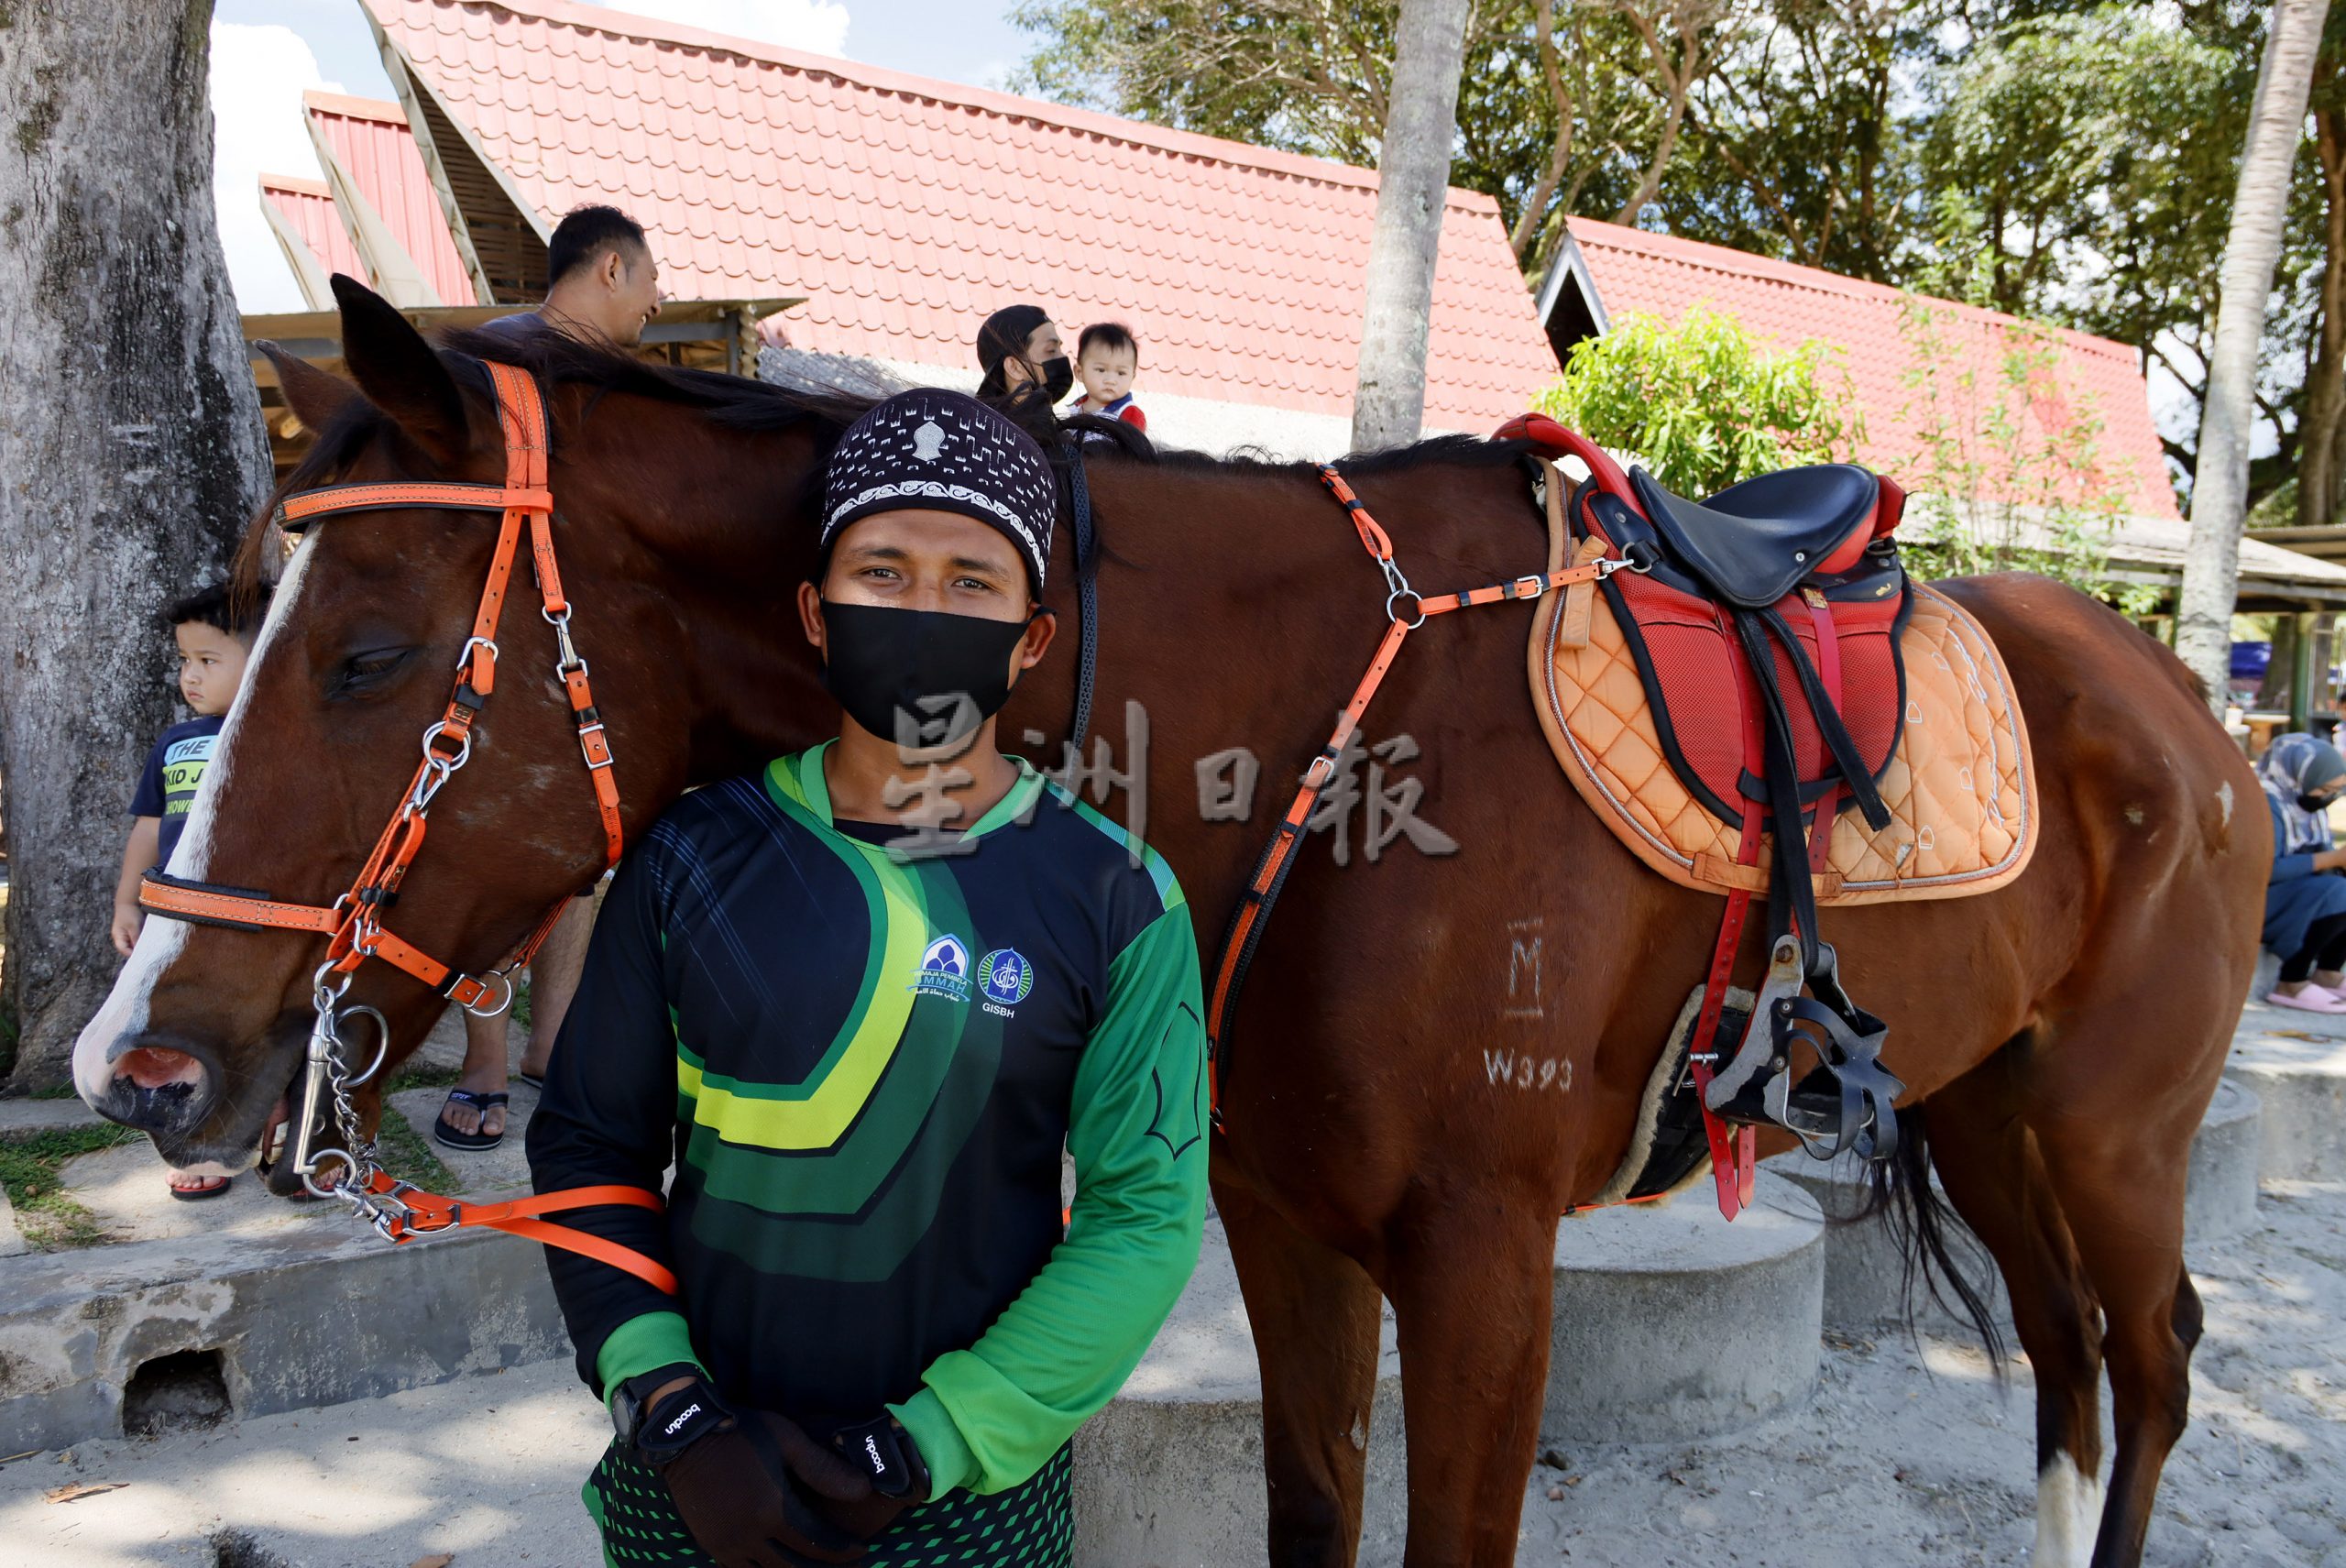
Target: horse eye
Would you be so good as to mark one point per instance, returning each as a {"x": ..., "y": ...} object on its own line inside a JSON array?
[{"x": 361, "y": 671}]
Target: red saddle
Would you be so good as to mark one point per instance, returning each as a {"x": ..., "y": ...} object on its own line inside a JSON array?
[{"x": 1796, "y": 546}]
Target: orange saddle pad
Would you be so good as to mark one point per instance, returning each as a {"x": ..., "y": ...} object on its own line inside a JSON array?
[{"x": 1959, "y": 785}]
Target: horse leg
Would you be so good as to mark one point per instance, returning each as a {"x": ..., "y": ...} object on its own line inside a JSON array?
[
  {"x": 1314, "y": 1314},
  {"x": 2122, "y": 1188},
  {"x": 1472, "y": 1281},
  {"x": 1994, "y": 1174}
]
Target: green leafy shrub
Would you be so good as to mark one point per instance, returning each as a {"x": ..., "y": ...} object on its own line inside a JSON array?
[{"x": 1701, "y": 404}]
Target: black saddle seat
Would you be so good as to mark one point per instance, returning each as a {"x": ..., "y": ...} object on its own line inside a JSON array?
[{"x": 1752, "y": 542}]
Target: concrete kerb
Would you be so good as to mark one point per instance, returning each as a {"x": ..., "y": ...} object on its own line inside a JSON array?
[
  {"x": 2296, "y": 1064},
  {"x": 297, "y": 1317},
  {"x": 1864, "y": 1273},
  {"x": 1672, "y": 1325},
  {"x": 1170, "y": 1475}
]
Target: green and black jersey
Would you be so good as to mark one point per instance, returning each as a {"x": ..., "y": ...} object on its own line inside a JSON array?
[{"x": 863, "y": 1070}]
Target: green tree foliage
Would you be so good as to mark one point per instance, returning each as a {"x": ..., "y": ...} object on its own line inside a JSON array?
[
  {"x": 2007, "y": 476},
  {"x": 1585, "y": 124},
  {"x": 1701, "y": 404},
  {"x": 2069, "y": 162}
]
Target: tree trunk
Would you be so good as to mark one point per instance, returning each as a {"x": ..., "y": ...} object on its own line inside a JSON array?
[
  {"x": 2324, "y": 430},
  {"x": 1413, "y": 182},
  {"x": 2260, "y": 207},
  {"x": 133, "y": 453}
]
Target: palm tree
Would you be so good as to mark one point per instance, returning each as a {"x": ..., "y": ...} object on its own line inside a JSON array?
[
  {"x": 2259, "y": 205},
  {"x": 1413, "y": 182}
]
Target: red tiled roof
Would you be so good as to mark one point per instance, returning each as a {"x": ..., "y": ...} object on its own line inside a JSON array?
[
  {"x": 308, "y": 208},
  {"x": 371, "y": 140},
  {"x": 1777, "y": 302},
  {"x": 907, "y": 209}
]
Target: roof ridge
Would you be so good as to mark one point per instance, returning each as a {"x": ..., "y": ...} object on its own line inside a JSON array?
[
  {"x": 1752, "y": 267},
  {"x": 352, "y": 106},
  {"x": 300, "y": 185},
  {"x": 1140, "y": 133}
]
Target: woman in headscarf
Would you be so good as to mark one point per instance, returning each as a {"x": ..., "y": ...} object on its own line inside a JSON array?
[
  {"x": 1023, "y": 358},
  {"x": 2305, "y": 911}
]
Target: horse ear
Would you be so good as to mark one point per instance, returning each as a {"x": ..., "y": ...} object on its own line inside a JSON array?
[
  {"x": 316, "y": 398},
  {"x": 401, "y": 373}
]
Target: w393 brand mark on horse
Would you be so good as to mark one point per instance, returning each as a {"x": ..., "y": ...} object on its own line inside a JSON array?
[{"x": 1365, "y": 1148}]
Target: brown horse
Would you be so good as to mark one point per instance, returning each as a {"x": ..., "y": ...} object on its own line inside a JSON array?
[{"x": 2062, "y": 1036}]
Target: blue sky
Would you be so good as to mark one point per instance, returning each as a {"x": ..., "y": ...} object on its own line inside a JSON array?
[{"x": 266, "y": 52}]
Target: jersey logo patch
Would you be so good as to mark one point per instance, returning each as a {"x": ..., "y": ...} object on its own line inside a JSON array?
[
  {"x": 1004, "y": 976},
  {"x": 944, "y": 969}
]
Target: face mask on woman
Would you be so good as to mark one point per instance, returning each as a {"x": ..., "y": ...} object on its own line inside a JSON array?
[
  {"x": 924, "y": 678},
  {"x": 1059, "y": 377}
]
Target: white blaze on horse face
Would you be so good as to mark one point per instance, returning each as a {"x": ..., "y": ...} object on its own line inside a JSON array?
[
  {"x": 2068, "y": 1516},
  {"x": 160, "y": 941}
]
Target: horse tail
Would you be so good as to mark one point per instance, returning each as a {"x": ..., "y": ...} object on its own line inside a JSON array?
[{"x": 1939, "y": 1256}]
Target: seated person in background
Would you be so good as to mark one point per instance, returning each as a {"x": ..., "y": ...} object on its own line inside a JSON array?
[
  {"x": 2305, "y": 911},
  {"x": 1107, "y": 358}
]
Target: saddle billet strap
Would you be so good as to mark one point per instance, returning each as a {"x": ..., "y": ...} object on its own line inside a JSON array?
[
  {"x": 1829, "y": 728},
  {"x": 1791, "y": 902}
]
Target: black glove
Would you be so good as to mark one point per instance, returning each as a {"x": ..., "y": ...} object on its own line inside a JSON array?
[
  {"x": 891, "y": 1466},
  {"x": 750, "y": 1486}
]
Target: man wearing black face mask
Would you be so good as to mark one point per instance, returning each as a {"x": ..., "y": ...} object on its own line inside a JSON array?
[
  {"x": 865, "y": 1065},
  {"x": 1023, "y": 359}
]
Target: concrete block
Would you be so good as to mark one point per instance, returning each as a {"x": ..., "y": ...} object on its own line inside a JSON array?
[
  {"x": 1170, "y": 1475},
  {"x": 12, "y": 1240},
  {"x": 1864, "y": 1277},
  {"x": 299, "y": 1316},
  {"x": 1864, "y": 1273},
  {"x": 2297, "y": 1071},
  {"x": 2225, "y": 1158},
  {"x": 1672, "y": 1324}
]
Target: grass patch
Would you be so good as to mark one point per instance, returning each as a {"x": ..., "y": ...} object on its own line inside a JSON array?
[
  {"x": 54, "y": 1092},
  {"x": 521, "y": 1002},
  {"x": 408, "y": 1156},
  {"x": 31, "y": 1169},
  {"x": 416, "y": 1073}
]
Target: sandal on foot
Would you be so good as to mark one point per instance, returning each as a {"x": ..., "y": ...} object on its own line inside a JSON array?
[
  {"x": 535, "y": 1081},
  {"x": 2312, "y": 999},
  {"x": 445, "y": 1132},
  {"x": 212, "y": 1186}
]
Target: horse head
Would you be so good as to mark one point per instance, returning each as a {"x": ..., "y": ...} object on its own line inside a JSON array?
[{"x": 673, "y": 499}]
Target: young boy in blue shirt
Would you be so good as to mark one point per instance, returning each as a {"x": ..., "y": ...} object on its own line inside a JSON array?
[{"x": 215, "y": 640}]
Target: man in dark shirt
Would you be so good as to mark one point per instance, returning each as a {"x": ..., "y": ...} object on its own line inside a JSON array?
[
  {"x": 864, "y": 1050},
  {"x": 604, "y": 289},
  {"x": 602, "y": 283}
]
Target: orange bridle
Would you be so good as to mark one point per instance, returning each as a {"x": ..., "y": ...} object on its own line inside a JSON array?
[{"x": 353, "y": 922}]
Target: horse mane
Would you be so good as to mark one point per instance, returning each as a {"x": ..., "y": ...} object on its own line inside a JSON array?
[
  {"x": 556, "y": 359},
  {"x": 1434, "y": 450},
  {"x": 751, "y": 406}
]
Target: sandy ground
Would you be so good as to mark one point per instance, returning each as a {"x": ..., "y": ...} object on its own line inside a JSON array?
[{"x": 1909, "y": 1454}]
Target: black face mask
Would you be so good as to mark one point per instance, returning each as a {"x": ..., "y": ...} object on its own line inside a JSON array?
[
  {"x": 1059, "y": 376},
  {"x": 924, "y": 678},
  {"x": 2316, "y": 802}
]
